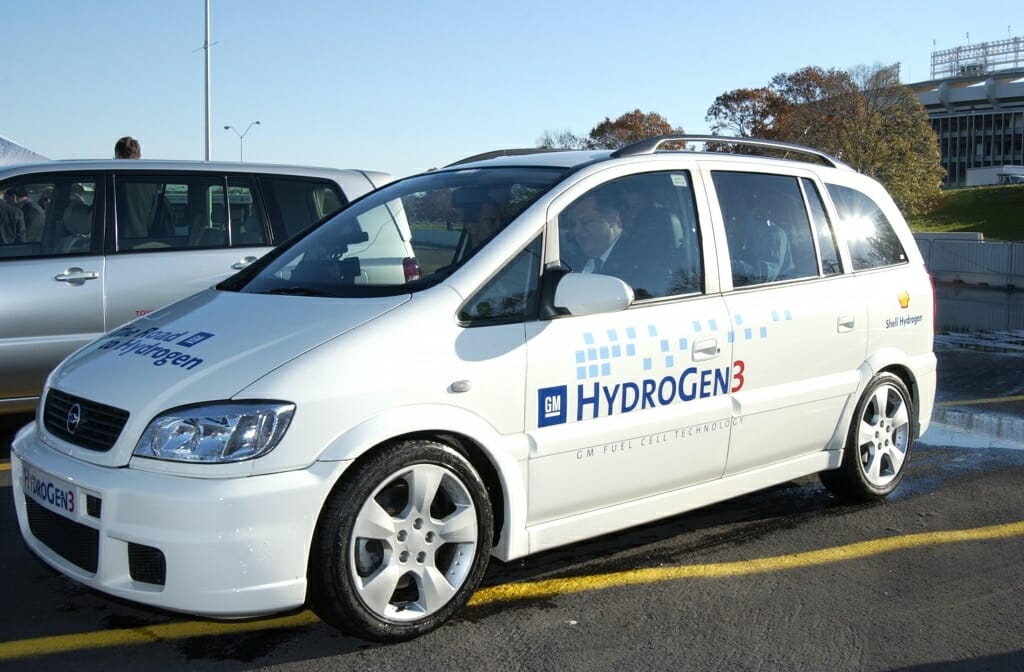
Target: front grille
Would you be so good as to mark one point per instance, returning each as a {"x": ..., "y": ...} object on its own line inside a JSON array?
[
  {"x": 76, "y": 543},
  {"x": 97, "y": 427},
  {"x": 147, "y": 564}
]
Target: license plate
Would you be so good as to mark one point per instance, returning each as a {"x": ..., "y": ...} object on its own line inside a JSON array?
[{"x": 52, "y": 493}]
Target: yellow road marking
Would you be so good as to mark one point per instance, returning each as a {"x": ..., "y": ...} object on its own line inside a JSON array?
[
  {"x": 146, "y": 635},
  {"x": 522, "y": 591},
  {"x": 990, "y": 400},
  {"x": 5, "y": 465},
  {"x": 863, "y": 549}
]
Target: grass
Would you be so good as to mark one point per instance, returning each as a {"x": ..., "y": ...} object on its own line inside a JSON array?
[{"x": 997, "y": 212}]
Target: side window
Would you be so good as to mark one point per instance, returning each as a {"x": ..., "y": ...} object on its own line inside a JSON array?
[
  {"x": 511, "y": 295},
  {"x": 766, "y": 226},
  {"x": 827, "y": 246},
  {"x": 871, "y": 238},
  {"x": 298, "y": 203},
  {"x": 170, "y": 213},
  {"x": 48, "y": 216},
  {"x": 247, "y": 223},
  {"x": 641, "y": 229}
]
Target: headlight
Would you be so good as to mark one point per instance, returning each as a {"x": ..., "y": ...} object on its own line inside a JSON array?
[{"x": 217, "y": 433}]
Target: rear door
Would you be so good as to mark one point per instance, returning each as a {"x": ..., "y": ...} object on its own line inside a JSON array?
[
  {"x": 52, "y": 301},
  {"x": 798, "y": 324}
]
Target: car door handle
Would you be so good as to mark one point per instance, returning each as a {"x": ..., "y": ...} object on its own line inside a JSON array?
[
  {"x": 846, "y": 322},
  {"x": 242, "y": 263},
  {"x": 705, "y": 349},
  {"x": 76, "y": 276}
]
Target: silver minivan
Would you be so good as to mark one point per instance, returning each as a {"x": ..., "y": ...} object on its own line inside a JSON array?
[{"x": 99, "y": 243}]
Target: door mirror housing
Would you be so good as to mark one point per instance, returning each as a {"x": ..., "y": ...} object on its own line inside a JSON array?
[{"x": 592, "y": 293}]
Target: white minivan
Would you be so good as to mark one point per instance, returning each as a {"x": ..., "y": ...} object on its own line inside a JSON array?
[{"x": 592, "y": 340}]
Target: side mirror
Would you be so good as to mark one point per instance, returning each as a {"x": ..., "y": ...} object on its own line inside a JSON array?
[{"x": 592, "y": 293}]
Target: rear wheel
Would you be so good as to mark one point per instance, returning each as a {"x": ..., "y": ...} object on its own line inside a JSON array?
[
  {"x": 402, "y": 543},
  {"x": 879, "y": 443}
]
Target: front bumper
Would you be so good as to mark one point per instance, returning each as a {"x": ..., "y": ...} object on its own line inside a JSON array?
[{"x": 230, "y": 547}]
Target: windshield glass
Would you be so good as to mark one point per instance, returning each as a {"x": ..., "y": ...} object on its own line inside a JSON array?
[{"x": 403, "y": 237}]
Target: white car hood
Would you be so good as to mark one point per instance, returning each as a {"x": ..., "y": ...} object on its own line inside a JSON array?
[{"x": 207, "y": 347}]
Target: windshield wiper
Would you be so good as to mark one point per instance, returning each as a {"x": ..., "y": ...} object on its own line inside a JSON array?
[{"x": 298, "y": 291}]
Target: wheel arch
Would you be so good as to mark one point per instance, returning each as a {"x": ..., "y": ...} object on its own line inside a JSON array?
[
  {"x": 880, "y": 363},
  {"x": 495, "y": 458},
  {"x": 902, "y": 366}
]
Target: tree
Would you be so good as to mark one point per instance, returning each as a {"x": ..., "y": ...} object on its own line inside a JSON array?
[
  {"x": 628, "y": 128},
  {"x": 898, "y": 144},
  {"x": 864, "y": 116},
  {"x": 561, "y": 139},
  {"x": 745, "y": 113},
  {"x": 815, "y": 106}
]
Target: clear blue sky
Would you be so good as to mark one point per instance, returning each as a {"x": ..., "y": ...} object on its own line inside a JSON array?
[{"x": 404, "y": 85}]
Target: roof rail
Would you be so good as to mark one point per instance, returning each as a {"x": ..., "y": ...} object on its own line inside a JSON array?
[
  {"x": 650, "y": 145},
  {"x": 502, "y": 152}
]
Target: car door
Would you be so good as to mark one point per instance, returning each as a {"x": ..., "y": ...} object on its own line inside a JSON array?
[
  {"x": 626, "y": 405},
  {"x": 797, "y": 322},
  {"x": 177, "y": 234},
  {"x": 52, "y": 302}
]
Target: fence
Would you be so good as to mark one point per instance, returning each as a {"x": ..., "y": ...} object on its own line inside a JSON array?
[{"x": 973, "y": 261}]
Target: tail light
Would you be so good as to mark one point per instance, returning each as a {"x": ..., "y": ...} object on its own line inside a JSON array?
[{"x": 411, "y": 268}]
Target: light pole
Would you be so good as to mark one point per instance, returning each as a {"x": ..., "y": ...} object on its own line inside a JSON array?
[{"x": 241, "y": 136}]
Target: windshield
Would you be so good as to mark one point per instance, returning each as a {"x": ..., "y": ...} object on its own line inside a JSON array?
[{"x": 403, "y": 237}]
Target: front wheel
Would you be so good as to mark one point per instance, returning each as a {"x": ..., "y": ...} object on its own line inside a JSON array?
[
  {"x": 879, "y": 443},
  {"x": 402, "y": 543}
]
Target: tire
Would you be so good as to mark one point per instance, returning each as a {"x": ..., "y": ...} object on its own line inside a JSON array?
[
  {"x": 401, "y": 544},
  {"x": 879, "y": 443}
]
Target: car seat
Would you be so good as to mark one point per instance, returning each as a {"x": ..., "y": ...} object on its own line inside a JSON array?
[
  {"x": 653, "y": 241},
  {"x": 772, "y": 251},
  {"x": 78, "y": 228}
]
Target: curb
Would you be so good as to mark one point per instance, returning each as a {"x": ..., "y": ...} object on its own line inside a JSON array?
[{"x": 960, "y": 426}]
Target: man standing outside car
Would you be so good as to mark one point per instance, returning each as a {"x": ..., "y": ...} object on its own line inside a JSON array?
[
  {"x": 127, "y": 148},
  {"x": 137, "y": 202}
]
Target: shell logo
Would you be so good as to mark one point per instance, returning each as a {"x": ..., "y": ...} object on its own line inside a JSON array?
[{"x": 904, "y": 299}]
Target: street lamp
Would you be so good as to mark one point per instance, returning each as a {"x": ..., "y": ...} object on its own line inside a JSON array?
[{"x": 241, "y": 136}]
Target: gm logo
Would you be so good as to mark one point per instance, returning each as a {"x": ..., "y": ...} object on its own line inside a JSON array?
[
  {"x": 195, "y": 339},
  {"x": 551, "y": 405}
]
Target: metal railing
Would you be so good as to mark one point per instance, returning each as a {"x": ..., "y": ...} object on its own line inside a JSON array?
[{"x": 993, "y": 263}]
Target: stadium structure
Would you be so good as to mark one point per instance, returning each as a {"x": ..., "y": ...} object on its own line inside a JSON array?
[{"x": 975, "y": 102}]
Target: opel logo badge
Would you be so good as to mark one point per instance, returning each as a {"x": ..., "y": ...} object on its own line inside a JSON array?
[{"x": 74, "y": 417}]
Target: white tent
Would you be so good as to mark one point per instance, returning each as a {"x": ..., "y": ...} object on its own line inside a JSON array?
[{"x": 12, "y": 152}]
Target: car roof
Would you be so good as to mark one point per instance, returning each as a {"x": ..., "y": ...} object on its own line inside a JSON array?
[
  {"x": 143, "y": 165},
  {"x": 556, "y": 158}
]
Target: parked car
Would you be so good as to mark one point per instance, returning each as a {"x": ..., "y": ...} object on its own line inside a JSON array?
[
  {"x": 108, "y": 241},
  {"x": 593, "y": 340}
]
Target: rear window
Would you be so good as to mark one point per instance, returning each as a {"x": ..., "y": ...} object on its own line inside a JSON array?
[
  {"x": 766, "y": 227},
  {"x": 297, "y": 203},
  {"x": 873, "y": 242}
]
